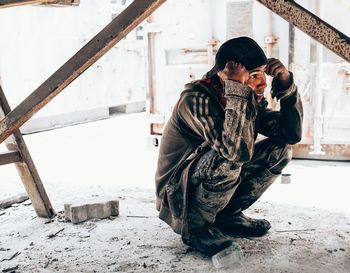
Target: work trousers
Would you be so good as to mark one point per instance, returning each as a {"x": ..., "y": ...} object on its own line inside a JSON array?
[{"x": 221, "y": 186}]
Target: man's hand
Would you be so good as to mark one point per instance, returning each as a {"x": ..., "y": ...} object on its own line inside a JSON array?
[
  {"x": 235, "y": 72},
  {"x": 276, "y": 69}
]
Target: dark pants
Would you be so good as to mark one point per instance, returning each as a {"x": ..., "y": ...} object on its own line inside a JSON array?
[{"x": 221, "y": 186}]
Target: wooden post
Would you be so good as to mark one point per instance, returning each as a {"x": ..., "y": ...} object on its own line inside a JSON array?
[
  {"x": 132, "y": 16},
  {"x": 26, "y": 168}
]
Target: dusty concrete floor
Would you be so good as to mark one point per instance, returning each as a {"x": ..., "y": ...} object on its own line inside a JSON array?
[{"x": 310, "y": 217}]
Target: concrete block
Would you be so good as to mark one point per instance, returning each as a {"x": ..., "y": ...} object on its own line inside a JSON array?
[{"x": 78, "y": 212}]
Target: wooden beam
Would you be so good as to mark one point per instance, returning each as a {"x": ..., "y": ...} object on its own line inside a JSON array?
[
  {"x": 62, "y": 3},
  {"x": 9, "y": 157},
  {"x": 312, "y": 25},
  {"x": 14, "y": 3},
  {"x": 132, "y": 16},
  {"x": 26, "y": 168}
]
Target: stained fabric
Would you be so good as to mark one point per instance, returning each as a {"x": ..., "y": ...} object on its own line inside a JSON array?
[
  {"x": 200, "y": 123},
  {"x": 215, "y": 83},
  {"x": 222, "y": 187}
]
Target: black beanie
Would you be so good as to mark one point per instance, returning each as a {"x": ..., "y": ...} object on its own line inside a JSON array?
[{"x": 243, "y": 50}]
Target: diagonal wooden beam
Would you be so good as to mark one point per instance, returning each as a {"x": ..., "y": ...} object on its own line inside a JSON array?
[
  {"x": 14, "y": 3},
  {"x": 26, "y": 168},
  {"x": 132, "y": 16},
  {"x": 312, "y": 25}
]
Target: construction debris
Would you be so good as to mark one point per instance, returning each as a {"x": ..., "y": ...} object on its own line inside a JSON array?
[
  {"x": 5, "y": 203},
  {"x": 13, "y": 256},
  {"x": 54, "y": 234},
  {"x": 296, "y": 230},
  {"x": 96, "y": 209},
  {"x": 10, "y": 269}
]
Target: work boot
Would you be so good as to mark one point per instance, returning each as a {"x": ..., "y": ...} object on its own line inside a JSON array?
[
  {"x": 208, "y": 240},
  {"x": 241, "y": 225}
]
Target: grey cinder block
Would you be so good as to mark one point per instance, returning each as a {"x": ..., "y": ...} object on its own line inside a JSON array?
[{"x": 98, "y": 208}]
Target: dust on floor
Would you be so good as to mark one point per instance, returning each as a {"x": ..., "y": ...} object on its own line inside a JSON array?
[
  {"x": 301, "y": 240},
  {"x": 310, "y": 216}
]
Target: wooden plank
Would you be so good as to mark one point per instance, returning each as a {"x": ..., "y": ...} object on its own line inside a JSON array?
[
  {"x": 19, "y": 198},
  {"x": 9, "y": 157},
  {"x": 312, "y": 25},
  {"x": 14, "y": 3},
  {"x": 26, "y": 169},
  {"x": 62, "y": 3},
  {"x": 41, "y": 124},
  {"x": 132, "y": 16}
]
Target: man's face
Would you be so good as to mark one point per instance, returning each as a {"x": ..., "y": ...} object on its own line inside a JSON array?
[{"x": 257, "y": 81}]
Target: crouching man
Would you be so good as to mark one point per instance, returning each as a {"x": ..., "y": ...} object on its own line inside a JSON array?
[{"x": 210, "y": 169}]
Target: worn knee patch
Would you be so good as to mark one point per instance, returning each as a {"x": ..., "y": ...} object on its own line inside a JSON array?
[
  {"x": 215, "y": 172},
  {"x": 279, "y": 158}
]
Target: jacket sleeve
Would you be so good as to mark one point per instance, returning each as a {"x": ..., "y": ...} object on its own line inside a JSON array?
[
  {"x": 231, "y": 134},
  {"x": 285, "y": 125}
]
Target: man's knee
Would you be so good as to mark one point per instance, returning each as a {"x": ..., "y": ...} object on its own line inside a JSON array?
[
  {"x": 279, "y": 158},
  {"x": 215, "y": 172}
]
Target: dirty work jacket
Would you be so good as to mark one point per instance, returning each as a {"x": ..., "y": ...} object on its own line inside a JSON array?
[{"x": 200, "y": 119}]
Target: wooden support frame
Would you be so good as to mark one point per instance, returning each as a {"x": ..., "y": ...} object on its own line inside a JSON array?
[
  {"x": 312, "y": 25},
  {"x": 132, "y": 16},
  {"x": 10, "y": 157},
  {"x": 19, "y": 154},
  {"x": 129, "y": 19},
  {"x": 14, "y": 3}
]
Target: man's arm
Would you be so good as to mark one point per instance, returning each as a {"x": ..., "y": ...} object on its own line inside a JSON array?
[
  {"x": 284, "y": 125},
  {"x": 231, "y": 134}
]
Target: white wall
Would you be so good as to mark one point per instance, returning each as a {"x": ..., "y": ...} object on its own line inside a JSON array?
[
  {"x": 195, "y": 22},
  {"x": 36, "y": 40}
]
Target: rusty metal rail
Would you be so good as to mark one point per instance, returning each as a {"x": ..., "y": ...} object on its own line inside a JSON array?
[{"x": 312, "y": 25}]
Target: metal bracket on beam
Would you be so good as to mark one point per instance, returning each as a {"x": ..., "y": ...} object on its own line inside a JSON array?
[{"x": 312, "y": 25}]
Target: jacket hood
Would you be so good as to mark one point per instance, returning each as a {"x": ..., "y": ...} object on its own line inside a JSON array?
[{"x": 192, "y": 84}]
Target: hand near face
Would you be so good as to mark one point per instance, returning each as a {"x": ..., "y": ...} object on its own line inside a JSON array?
[
  {"x": 235, "y": 72},
  {"x": 276, "y": 69}
]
